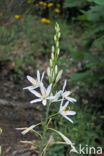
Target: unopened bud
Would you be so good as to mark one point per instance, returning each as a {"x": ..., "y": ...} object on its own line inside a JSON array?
[
  {"x": 57, "y": 44},
  {"x": 53, "y": 49},
  {"x": 48, "y": 72},
  {"x": 56, "y": 69},
  {"x": 50, "y": 62},
  {"x": 52, "y": 56},
  {"x": 59, "y": 34},
  {"x": 55, "y": 37},
  {"x": 57, "y": 28},
  {"x": 59, "y": 75}
]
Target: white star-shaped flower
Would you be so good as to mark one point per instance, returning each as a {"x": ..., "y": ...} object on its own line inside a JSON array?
[
  {"x": 66, "y": 94},
  {"x": 35, "y": 82},
  {"x": 64, "y": 112},
  {"x": 44, "y": 95},
  {"x": 57, "y": 97}
]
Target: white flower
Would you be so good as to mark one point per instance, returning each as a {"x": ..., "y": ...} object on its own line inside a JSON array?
[
  {"x": 65, "y": 112},
  {"x": 44, "y": 96},
  {"x": 57, "y": 96},
  {"x": 35, "y": 82},
  {"x": 66, "y": 94},
  {"x": 67, "y": 141}
]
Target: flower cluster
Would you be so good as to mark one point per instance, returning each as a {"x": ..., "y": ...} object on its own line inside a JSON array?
[
  {"x": 49, "y": 95},
  {"x": 52, "y": 70},
  {"x": 46, "y": 94},
  {"x": 50, "y": 8}
]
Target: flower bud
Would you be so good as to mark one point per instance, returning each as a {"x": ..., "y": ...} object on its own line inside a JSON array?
[
  {"x": 59, "y": 34},
  {"x": 56, "y": 69},
  {"x": 57, "y": 28},
  {"x": 58, "y": 51},
  {"x": 51, "y": 62},
  {"x": 53, "y": 49},
  {"x": 52, "y": 56},
  {"x": 57, "y": 44},
  {"x": 48, "y": 72},
  {"x": 55, "y": 37},
  {"x": 59, "y": 75}
]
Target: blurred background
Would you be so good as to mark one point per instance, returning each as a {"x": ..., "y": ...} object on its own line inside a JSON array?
[{"x": 26, "y": 37}]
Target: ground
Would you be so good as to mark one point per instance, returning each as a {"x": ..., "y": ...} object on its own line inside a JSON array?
[{"x": 16, "y": 112}]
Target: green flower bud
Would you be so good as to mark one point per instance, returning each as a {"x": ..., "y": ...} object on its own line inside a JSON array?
[
  {"x": 59, "y": 75},
  {"x": 48, "y": 72}
]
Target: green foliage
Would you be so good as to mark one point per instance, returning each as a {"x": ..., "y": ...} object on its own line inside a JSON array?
[
  {"x": 75, "y": 3},
  {"x": 85, "y": 130},
  {"x": 20, "y": 46},
  {"x": 100, "y": 2}
]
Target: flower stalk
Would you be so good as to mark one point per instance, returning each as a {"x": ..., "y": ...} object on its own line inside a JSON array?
[
  {"x": 47, "y": 96},
  {"x": 44, "y": 129}
]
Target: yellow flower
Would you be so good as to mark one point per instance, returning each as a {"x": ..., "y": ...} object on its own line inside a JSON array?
[
  {"x": 57, "y": 10},
  {"x": 44, "y": 20},
  {"x": 41, "y": 2},
  {"x": 17, "y": 16},
  {"x": 50, "y": 4}
]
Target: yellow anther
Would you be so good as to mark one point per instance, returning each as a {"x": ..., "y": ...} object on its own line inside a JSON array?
[
  {"x": 36, "y": 81},
  {"x": 64, "y": 110},
  {"x": 33, "y": 83},
  {"x": 44, "y": 93},
  {"x": 68, "y": 93},
  {"x": 40, "y": 95}
]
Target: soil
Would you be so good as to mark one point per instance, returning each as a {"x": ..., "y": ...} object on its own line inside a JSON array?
[{"x": 17, "y": 113}]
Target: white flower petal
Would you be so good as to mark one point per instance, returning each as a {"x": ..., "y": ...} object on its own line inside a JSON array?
[
  {"x": 64, "y": 85},
  {"x": 73, "y": 149},
  {"x": 28, "y": 129},
  {"x": 36, "y": 100},
  {"x": 42, "y": 88},
  {"x": 44, "y": 102},
  {"x": 70, "y": 113},
  {"x": 31, "y": 79},
  {"x": 67, "y": 118},
  {"x": 35, "y": 93},
  {"x": 42, "y": 76},
  {"x": 51, "y": 97},
  {"x": 66, "y": 93},
  {"x": 38, "y": 76},
  {"x": 71, "y": 99},
  {"x": 48, "y": 90},
  {"x": 61, "y": 107},
  {"x": 65, "y": 138},
  {"x": 30, "y": 87},
  {"x": 66, "y": 104},
  {"x": 58, "y": 93}
]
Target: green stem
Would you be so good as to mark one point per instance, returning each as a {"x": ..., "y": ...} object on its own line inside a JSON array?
[
  {"x": 53, "y": 115},
  {"x": 44, "y": 130}
]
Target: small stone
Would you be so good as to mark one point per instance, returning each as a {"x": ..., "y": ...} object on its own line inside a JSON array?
[{"x": 4, "y": 102}]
